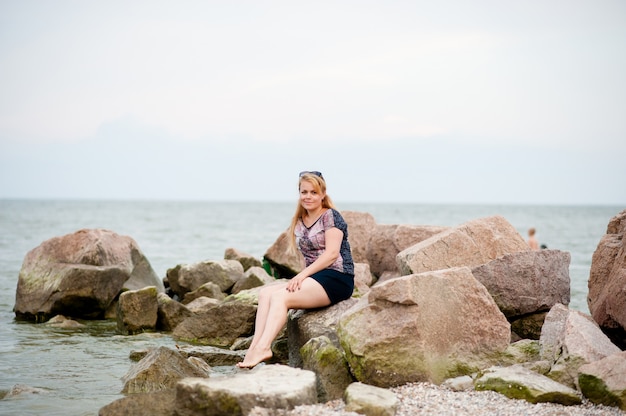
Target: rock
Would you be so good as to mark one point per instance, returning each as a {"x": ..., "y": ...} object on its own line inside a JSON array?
[
  {"x": 461, "y": 383},
  {"x": 213, "y": 356},
  {"x": 170, "y": 313},
  {"x": 303, "y": 325},
  {"x": 218, "y": 326},
  {"x": 246, "y": 260},
  {"x": 423, "y": 327},
  {"x": 159, "y": 370},
  {"x": 208, "y": 290},
  {"x": 363, "y": 279},
  {"x": 253, "y": 277},
  {"x": 360, "y": 227},
  {"x": 386, "y": 241},
  {"x": 528, "y": 326},
  {"x": 267, "y": 386},
  {"x": 328, "y": 363},
  {"x": 23, "y": 389},
  {"x": 607, "y": 279},
  {"x": 284, "y": 262},
  {"x": 137, "y": 311},
  {"x": 186, "y": 278},
  {"x": 60, "y": 321},
  {"x": 471, "y": 244},
  {"x": 160, "y": 403},
  {"x": 369, "y": 400},
  {"x": 202, "y": 304},
  {"x": 80, "y": 275},
  {"x": 527, "y": 282},
  {"x": 517, "y": 382},
  {"x": 570, "y": 339},
  {"x": 604, "y": 381}
]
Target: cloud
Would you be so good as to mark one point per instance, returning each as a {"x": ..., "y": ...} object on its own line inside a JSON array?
[{"x": 463, "y": 102}]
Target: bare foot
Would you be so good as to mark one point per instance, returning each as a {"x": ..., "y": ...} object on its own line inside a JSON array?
[{"x": 254, "y": 357}]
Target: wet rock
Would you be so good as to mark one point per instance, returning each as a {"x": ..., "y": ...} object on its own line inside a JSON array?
[
  {"x": 137, "y": 311},
  {"x": 80, "y": 275}
]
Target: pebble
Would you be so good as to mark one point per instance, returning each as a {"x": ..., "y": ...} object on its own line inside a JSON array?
[{"x": 429, "y": 399}]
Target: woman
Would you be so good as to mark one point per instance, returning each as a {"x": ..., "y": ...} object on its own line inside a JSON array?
[{"x": 321, "y": 234}]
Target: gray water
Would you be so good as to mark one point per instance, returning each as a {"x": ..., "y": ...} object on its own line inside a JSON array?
[{"x": 79, "y": 371}]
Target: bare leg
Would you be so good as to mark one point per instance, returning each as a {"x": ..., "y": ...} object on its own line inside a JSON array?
[
  {"x": 311, "y": 295},
  {"x": 263, "y": 307}
]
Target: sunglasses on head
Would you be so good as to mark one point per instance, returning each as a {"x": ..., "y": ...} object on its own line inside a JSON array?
[{"x": 312, "y": 172}]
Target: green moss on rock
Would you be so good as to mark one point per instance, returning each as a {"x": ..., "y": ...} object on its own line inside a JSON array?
[{"x": 597, "y": 392}]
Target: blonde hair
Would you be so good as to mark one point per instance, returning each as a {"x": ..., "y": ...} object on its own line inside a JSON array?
[{"x": 319, "y": 184}]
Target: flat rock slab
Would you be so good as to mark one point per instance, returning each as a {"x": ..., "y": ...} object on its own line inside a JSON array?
[
  {"x": 268, "y": 386},
  {"x": 517, "y": 382}
]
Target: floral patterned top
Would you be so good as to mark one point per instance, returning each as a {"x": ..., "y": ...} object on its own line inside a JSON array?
[{"x": 312, "y": 242}]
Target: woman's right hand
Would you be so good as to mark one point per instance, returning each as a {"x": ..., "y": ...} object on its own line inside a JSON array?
[{"x": 296, "y": 282}]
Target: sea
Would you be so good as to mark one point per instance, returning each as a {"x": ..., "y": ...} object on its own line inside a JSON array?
[{"x": 78, "y": 371}]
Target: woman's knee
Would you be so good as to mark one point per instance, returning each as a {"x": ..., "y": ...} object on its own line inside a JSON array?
[
  {"x": 267, "y": 292},
  {"x": 278, "y": 296}
]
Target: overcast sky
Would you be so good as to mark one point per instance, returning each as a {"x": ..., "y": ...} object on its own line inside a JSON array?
[{"x": 512, "y": 102}]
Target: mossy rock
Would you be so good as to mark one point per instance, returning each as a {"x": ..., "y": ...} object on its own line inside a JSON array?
[{"x": 597, "y": 392}]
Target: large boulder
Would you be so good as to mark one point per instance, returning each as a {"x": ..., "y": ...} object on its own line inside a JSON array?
[
  {"x": 570, "y": 339},
  {"x": 387, "y": 241},
  {"x": 80, "y": 275},
  {"x": 607, "y": 279},
  {"x": 527, "y": 281},
  {"x": 423, "y": 327},
  {"x": 271, "y": 387},
  {"x": 471, "y": 244}
]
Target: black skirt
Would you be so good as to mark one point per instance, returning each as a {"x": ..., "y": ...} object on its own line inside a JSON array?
[{"x": 338, "y": 286}]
